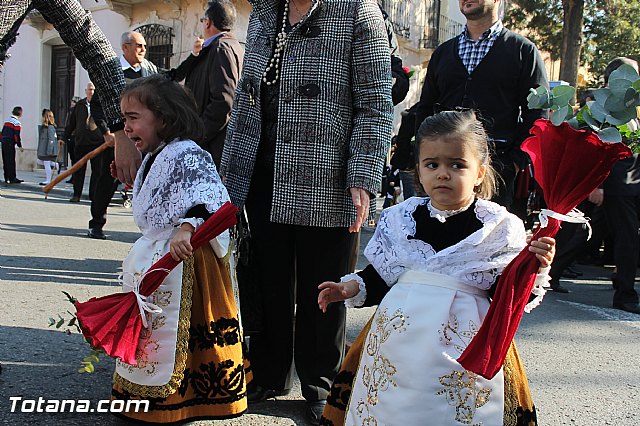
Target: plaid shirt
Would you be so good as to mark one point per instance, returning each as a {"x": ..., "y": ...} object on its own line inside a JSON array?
[
  {"x": 79, "y": 31},
  {"x": 471, "y": 51}
]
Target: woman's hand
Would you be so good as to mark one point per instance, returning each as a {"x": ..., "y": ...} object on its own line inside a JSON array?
[
  {"x": 336, "y": 292},
  {"x": 180, "y": 246},
  {"x": 544, "y": 249}
]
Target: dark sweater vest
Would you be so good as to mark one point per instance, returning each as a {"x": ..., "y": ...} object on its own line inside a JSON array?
[{"x": 497, "y": 87}]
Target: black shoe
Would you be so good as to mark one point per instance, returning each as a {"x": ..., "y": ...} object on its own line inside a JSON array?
[
  {"x": 568, "y": 273},
  {"x": 97, "y": 234},
  {"x": 634, "y": 308},
  {"x": 559, "y": 289},
  {"x": 259, "y": 394},
  {"x": 15, "y": 181},
  {"x": 74, "y": 199},
  {"x": 314, "y": 411},
  {"x": 573, "y": 271}
]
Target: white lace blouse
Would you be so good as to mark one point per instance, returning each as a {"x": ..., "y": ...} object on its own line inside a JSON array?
[
  {"x": 476, "y": 260},
  {"x": 182, "y": 176}
]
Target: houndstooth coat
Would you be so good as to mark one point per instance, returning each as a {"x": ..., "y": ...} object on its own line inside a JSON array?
[{"x": 334, "y": 112}]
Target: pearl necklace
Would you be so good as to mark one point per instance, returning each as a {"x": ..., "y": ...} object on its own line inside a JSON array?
[{"x": 281, "y": 41}]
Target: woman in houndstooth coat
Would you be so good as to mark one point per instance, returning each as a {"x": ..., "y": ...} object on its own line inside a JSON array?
[{"x": 305, "y": 149}]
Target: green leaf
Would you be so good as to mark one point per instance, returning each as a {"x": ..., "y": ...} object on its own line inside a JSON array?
[
  {"x": 91, "y": 358},
  {"x": 70, "y": 297},
  {"x": 624, "y": 72},
  {"x": 602, "y": 95},
  {"x": 631, "y": 98},
  {"x": 51, "y": 321},
  {"x": 558, "y": 116},
  {"x": 562, "y": 95},
  {"x": 574, "y": 123},
  {"x": 614, "y": 103},
  {"x": 618, "y": 118},
  {"x": 619, "y": 86},
  {"x": 72, "y": 322},
  {"x": 89, "y": 368},
  {"x": 591, "y": 122},
  {"x": 597, "y": 111},
  {"x": 60, "y": 323},
  {"x": 636, "y": 85},
  {"x": 610, "y": 134}
]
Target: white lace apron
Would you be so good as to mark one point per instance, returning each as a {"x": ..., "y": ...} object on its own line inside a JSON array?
[
  {"x": 408, "y": 374},
  {"x": 156, "y": 352}
]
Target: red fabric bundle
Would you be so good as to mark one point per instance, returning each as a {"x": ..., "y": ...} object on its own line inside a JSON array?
[
  {"x": 113, "y": 323},
  {"x": 568, "y": 165}
]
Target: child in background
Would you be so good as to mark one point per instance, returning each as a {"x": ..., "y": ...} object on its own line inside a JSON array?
[
  {"x": 190, "y": 362},
  {"x": 433, "y": 261},
  {"x": 48, "y": 144},
  {"x": 10, "y": 139}
]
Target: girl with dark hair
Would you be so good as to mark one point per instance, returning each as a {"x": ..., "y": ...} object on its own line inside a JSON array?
[
  {"x": 192, "y": 333},
  {"x": 433, "y": 261}
]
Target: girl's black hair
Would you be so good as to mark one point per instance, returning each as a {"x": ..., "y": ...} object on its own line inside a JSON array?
[
  {"x": 460, "y": 125},
  {"x": 170, "y": 102}
]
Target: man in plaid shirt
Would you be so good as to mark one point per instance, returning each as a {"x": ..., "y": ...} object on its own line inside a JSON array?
[{"x": 489, "y": 69}]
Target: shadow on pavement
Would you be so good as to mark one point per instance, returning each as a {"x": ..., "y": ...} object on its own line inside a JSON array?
[{"x": 65, "y": 271}]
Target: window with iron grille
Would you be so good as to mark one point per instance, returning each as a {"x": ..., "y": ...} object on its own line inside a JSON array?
[{"x": 159, "y": 43}]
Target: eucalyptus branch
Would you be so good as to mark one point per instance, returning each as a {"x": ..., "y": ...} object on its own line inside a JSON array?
[{"x": 612, "y": 114}]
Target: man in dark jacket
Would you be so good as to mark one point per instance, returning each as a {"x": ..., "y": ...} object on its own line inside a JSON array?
[
  {"x": 490, "y": 69},
  {"x": 212, "y": 73},
  {"x": 86, "y": 135}
]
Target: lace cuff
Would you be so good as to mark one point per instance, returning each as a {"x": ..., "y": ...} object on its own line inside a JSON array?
[
  {"x": 358, "y": 300},
  {"x": 194, "y": 221},
  {"x": 539, "y": 289}
]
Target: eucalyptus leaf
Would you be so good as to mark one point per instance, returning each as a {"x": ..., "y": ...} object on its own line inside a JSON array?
[
  {"x": 619, "y": 86},
  {"x": 601, "y": 96},
  {"x": 562, "y": 95},
  {"x": 624, "y": 72},
  {"x": 618, "y": 118},
  {"x": 51, "y": 321},
  {"x": 558, "y": 116},
  {"x": 591, "y": 122},
  {"x": 574, "y": 123},
  {"x": 597, "y": 111},
  {"x": 60, "y": 323},
  {"x": 631, "y": 98},
  {"x": 615, "y": 103},
  {"x": 636, "y": 85},
  {"x": 610, "y": 134}
]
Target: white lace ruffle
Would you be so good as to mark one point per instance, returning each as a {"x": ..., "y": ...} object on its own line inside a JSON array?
[
  {"x": 182, "y": 176},
  {"x": 539, "y": 289},
  {"x": 477, "y": 260},
  {"x": 442, "y": 215},
  {"x": 358, "y": 300}
]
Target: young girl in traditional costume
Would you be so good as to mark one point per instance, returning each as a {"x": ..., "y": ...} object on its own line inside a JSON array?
[
  {"x": 189, "y": 359},
  {"x": 433, "y": 261}
]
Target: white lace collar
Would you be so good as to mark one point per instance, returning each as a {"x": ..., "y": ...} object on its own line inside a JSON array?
[{"x": 442, "y": 215}]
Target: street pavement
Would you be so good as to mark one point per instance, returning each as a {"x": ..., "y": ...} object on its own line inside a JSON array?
[{"x": 582, "y": 357}]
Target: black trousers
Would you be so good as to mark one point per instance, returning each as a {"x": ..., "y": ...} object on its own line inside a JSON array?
[
  {"x": 506, "y": 171},
  {"x": 622, "y": 217},
  {"x": 9, "y": 161},
  {"x": 290, "y": 262},
  {"x": 79, "y": 175},
  {"x": 105, "y": 188}
]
